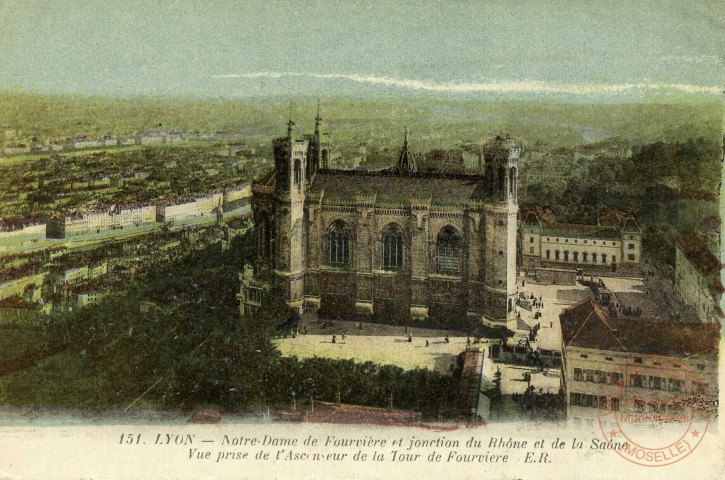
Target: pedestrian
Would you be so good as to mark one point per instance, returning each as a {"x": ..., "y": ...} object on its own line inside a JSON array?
[
  {"x": 343, "y": 337},
  {"x": 359, "y": 326},
  {"x": 427, "y": 344},
  {"x": 334, "y": 338},
  {"x": 447, "y": 340},
  {"x": 468, "y": 342},
  {"x": 410, "y": 338},
  {"x": 523, "y": 282},
  {"x": 551, "y": 324}
]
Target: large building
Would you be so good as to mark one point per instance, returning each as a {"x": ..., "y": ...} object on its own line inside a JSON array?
[
  {"x": 597, "y": 344},
  {"x": 396, "y": 245},
  {"x": 187, "y": 208},
  {"x": 697, "y": 277},
  {"x": 114, "y": 217},
  {"x": 20, "y": 233},
  {"x": 614, "y": 243}
]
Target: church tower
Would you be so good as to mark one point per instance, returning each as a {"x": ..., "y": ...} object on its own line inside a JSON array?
[
  {"x": 290, "y": 161},
  {"x": 502, "y": 167},
  {"x": 319, "y": 148}
]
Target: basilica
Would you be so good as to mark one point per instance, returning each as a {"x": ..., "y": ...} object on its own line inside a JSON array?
[{"x": 399, "y": 245}]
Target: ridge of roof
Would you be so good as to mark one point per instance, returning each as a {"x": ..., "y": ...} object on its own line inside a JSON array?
[{"x": 641, "y": 335}]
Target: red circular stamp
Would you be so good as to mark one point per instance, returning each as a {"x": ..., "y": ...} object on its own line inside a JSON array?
[{"x": 654, "y": 410}]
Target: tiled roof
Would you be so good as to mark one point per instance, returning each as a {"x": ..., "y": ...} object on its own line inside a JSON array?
[
  {"x": 611, "y": 223},
  {"x": 695, "y": 249},
  {"x": 581, "y": 230},
  {"x": 588, "y": 325},
  {"x": 388, "y": 188}
]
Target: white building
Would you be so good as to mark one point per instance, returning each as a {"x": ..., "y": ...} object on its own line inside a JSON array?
[
  {"x": 189, "y": 208},
  {"x": 21, "y": 234},
  {"x": 599, "y": 349},
  {"x": 82, "y": 141},
  {"x": 114, "y": 217},
  {"x": 607, "y": 246},
  {"x": 85, "y": 272},
  {"x": 85, "y": 299},
  {"x": 236, "y": 197}
]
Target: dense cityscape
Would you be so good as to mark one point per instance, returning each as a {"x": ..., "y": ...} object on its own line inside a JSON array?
[{"x": 444, "y": 314}]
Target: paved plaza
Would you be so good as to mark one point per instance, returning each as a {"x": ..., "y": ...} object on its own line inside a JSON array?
[
  {"x": 388, "y": 344},
  {"x": 393, "y": 350}
]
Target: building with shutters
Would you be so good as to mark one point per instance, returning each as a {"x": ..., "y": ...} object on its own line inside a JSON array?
[
  {"x": 600, "y": 348},
  {"x": 613, "y": 244}
]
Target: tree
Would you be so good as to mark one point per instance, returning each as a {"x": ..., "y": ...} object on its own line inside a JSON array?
[{"x": 496, "y": 394}]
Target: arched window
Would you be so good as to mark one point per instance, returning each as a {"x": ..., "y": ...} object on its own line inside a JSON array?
[
  {"x": 576, "y": 256},
  {"x": 566, "y": 255},
  {"x": 585, "y": 256},
  {"x": 298, "y": 172},
  {"x": 556, "y": 255},
  {"x": 614, "y": 259},
  {"x": 512, "y": 181},
  {"x": 604, "y": 258},
  {"x": 548, "y": 254},
  {"x": 338, "y": 245},
  {"x": 594, "y": 258},
  {"x": 392, "y": 248},
  {"x": 449, "y": 251},
  {"x": 325, "y": 156}
]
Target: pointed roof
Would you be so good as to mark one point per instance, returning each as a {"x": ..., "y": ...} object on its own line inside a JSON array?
[
  {"x": 290, "y": 122},
  {"x": 531, "y": 218},
  {"x": 631, "y": 225},
  {"x": 406, "y": 161},
  {"x": 318, "y": 118},
  {"x": 587, "y": 325}
]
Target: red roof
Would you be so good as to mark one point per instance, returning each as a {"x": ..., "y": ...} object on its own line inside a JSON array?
[{"x": 588, "y": 325}]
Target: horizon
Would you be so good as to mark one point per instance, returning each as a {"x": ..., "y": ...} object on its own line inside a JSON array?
[{"x": 581, "y": 53}]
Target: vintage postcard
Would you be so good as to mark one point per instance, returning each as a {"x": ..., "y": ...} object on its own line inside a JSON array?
[{"x": 383, "y": 239}]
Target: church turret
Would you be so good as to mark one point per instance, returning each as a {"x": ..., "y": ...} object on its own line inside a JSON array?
[
  {"x": 290, "y": 155},
  {"x": 502, "y": 169},
  {"x": 319, "y": 150},
  {"x": 315, "y": 152},
  {"x": 406, "y": 161},
  {"x": 502, "y": 164}
]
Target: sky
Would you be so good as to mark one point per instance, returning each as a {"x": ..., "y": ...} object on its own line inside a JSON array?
[{"x": 212, "y": 48}]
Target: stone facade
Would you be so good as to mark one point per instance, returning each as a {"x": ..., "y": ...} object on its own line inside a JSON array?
[
  {"x": 697, "y": 277},
  {"x": 612, "y": 246},
  {"x": 189, "y": 208},
  {"x": 397, "y": 245},
  {"x": 596, "y": 345},
  {"x": 114, "y": 217}
]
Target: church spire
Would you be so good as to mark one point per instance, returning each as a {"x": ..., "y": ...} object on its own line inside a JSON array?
[
  {"x": 406, "y": 161},
  {"x": 290, "y": 123},
  {"x": 318, "y": 119}
]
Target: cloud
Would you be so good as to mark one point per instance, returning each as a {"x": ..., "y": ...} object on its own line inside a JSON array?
[{"x": 525, "y": 86}]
